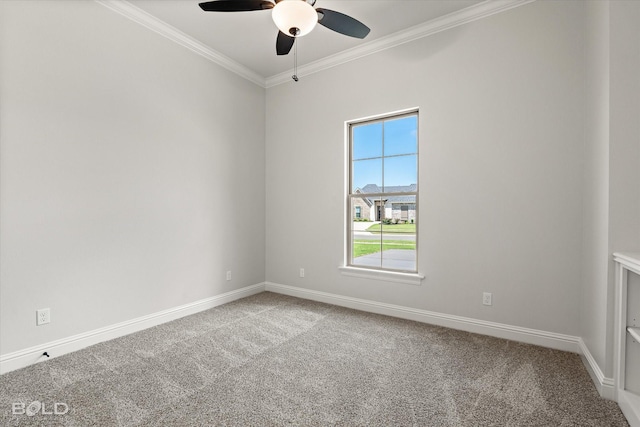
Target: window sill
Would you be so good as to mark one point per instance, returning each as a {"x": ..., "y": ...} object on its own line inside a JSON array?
[{"x": 386, "y": 276}]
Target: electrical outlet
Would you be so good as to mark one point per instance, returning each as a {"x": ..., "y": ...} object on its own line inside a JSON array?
[
  {"x": 302, "y": 272},
  {"x": 43, "y": 316},
  {"x": 486, "y": 298},
  {"x": 229, "y": 275}
]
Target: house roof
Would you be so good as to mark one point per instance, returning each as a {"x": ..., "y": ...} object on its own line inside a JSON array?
[
  {"x": 389, "y": 200},
  {"x": 365, "y": 199},
  {"x": 374, "y": 188},
  {"x": 401, "y": 199}
]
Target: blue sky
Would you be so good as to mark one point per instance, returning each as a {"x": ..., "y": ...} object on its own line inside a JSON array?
[{"x": 397, "y": 137}]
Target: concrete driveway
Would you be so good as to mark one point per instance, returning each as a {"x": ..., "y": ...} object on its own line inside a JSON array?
[
  {"x": 398, "y": 259},
  {"x": 362, "y": 225}
]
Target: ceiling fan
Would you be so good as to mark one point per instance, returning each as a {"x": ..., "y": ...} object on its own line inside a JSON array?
[{"x": 294, "y": 18}]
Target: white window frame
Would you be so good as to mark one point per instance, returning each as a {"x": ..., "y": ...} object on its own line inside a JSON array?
[{"x": 377, "y": 273}]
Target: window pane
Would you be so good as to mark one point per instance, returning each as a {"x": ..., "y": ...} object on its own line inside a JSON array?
[
  {"x": 367, "y": 141},
  {"x": 382, "y": 222},
  {"x": 365, "y": 241},
  {"x": 399, "y": 234},
  {"x": 367, "y": 172},
  {"x": 400, "y": 174},
  {"x": 401, "y": 136}
]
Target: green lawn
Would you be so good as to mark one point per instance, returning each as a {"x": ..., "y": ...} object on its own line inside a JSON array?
[
  {"x": 393, "y": 228},
  {"x": 366, "y": 247}
]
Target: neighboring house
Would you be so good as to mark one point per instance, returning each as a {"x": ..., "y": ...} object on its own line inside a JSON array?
[
  {"x": 362, "y": 207},
  {"x": 402, "y": 208}
]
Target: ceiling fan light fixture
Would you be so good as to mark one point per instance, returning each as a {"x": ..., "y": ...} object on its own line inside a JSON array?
[{"x": 294, "y": 17}]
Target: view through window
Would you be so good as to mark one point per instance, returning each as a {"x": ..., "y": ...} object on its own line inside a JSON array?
[{"x": 383, "y": 193}]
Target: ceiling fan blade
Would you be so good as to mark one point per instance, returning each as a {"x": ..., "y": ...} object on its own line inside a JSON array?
[
  {"x": 235, "y": 5},
  {"x": 284, "y": 43},
  {"x": 341, "y": 23}
]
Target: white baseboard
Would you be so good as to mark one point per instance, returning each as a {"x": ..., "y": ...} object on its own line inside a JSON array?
[
  {"x": 26, "y": 357},
  {"x": 630, "y": 405},
  {"x": 20, "y": 359},
  {"x": 604, "y": 385},
  {"x": 498, "y": 330}
]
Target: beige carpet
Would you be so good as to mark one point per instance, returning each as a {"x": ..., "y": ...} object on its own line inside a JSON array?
[{"x": 276, "y": 360}]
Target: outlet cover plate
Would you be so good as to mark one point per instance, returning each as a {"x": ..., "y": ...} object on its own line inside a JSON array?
[
  {"x": 486, "y": 298},
  {"x": 43, "y": 316}
]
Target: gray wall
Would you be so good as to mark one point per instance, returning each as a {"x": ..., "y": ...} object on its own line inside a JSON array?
[
  {"x": 624, "y": 142},
  {"x": 612, "y": 164},
  {"x": 595, "y": 261},
  {"x": 501, "y": 142},
  {"x": 130, "y": 177}
]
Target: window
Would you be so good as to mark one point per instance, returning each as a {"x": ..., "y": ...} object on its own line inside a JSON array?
[{"x": 383, "y": 193}]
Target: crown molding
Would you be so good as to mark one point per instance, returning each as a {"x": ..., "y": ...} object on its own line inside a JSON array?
[
  {"x": 454, "y": 19},
  {"x": 451, "y": 20},
  {"x": 143, "y": 18}
]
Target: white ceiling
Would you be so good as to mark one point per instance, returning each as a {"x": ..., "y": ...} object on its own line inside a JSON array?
[{"x": 249, "y": 38}]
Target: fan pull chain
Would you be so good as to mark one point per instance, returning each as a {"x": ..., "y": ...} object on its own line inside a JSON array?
[{"x": 295, "y": 60}]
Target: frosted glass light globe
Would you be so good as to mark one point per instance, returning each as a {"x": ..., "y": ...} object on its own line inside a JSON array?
[{"x": 292, "y": 14}]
